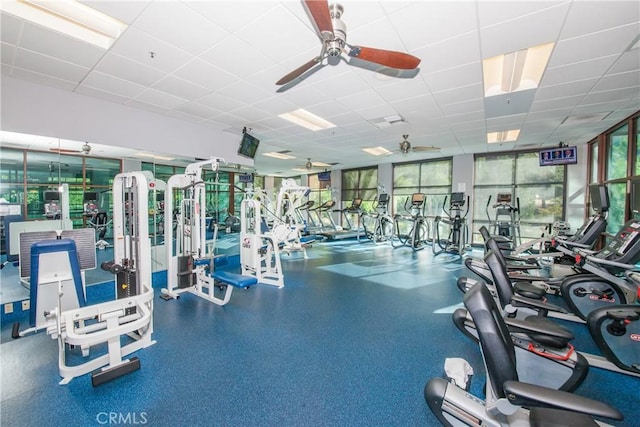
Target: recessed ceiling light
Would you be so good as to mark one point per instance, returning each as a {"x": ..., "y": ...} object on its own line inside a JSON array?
[
  {"x": 376, "y": 151},
  {"x": 69, "y": 17},
  {"x": 278, "y": 155},
  {"x": 503, "y": 136},
  {"x": 307, "y": 120},
  {"x": 515, "y": 71}
]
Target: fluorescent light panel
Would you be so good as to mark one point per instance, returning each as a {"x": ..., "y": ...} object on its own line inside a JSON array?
[
  {"x": 376, "y": 151},
  {"x": 515, "y": 71},
  {"x": 69, "y": 17},
  {"x": 153, "y": 156},
  {"x": 306, "y": 119},
  {"x": 277, "y": 155},
  {"x": 503, "y": 136}
]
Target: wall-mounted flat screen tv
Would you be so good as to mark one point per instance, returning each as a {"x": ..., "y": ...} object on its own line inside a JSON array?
[
  {"x": 245, "y": 177},
  {"x": 558, "y": 156},
  {"x": 248, "y": 146},
  {"x": 324, "y": 176}
]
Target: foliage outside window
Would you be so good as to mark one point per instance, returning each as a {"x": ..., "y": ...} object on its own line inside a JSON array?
[
  {"x": 616, "y": 177},
  {"x": 431, "y": 177},
  {"x": 320, "y": 190},
  {"x": 362, "y": 184},
  {"x": 538, "y": 189},
  {"x": 26, "y": 175}
]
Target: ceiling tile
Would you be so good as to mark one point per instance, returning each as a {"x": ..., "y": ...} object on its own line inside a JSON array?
[
  {"x": 161, "y": 99},
  {"x": 137, "y": 46},
  {"x": 187, "y": 29},
  {"x": 125, "y": 11},
  {"x": 7, "y": 53},
  {"x": 127, "y": 69},
  {"x": 10, "y": 28},
  {"x": 429, "y": 22},
  {"x": 595, "y": 45},
  {"x": 204, "y": 74},
  {"x": 591, "y": 17},
  {"x": 237, "y": 57},
  {"x": 233, "y": 15},
  {"x": 59, "y": 46},
  {"x": 630, "y": 79},
  {"x": 221, "y": 102},
  {"x": 44, "y": 79},
  {"x": 111, "y": 84},
  {"x": 294, "y": 35},
  {"x": 577, "y": 71},
  {"x": 181, "y": 88},
  {"x": 361, "y": 100},
  {"x": 47, "y": 65},
  {"x": 528, "y": 30},
  {"x": 96, "y": 93}
]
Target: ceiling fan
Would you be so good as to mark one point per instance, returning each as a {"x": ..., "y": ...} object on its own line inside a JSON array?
[
  {"x": 85, "y": 150},
  {"x": 309, "y": 165},
  {"x": 333, "y": 34},
  {"x": 406, "y": 147}
]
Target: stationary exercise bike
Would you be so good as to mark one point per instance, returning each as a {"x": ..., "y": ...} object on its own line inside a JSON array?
[
  {"x": 456, "y": 242},
  {"x": 414, "y": 221},
  {"x": 507, "y": 400}
]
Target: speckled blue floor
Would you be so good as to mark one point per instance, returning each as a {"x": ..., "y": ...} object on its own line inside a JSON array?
[{"x": 350, "y": 341}]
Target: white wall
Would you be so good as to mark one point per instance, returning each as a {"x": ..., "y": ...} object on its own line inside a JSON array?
[{"x": 40, "y": 110}]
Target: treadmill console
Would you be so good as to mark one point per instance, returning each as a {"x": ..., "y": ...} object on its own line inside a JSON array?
[
  {"x": 417, "y": 199},
  {"x": 625, "y": 246}
]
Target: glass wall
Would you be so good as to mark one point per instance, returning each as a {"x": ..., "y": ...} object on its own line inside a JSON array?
[
  {"x": 536, "y": 190},
  {"x": 26, "y": 175},
  {"x": 431, "y": 177},
  {"x": 616, "y": 176},
  {"x": 359, "y": 183}
]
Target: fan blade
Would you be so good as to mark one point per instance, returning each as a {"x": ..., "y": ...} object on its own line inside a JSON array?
[
  {"x": 426, "y": 148},
  {"x": 319, "y": 11},
  {"x": 388, "y": 58},
  {"x": 298, "y": 71},
  {"x": 300, "y": 78},
  {"x": 381, "y": 69}
]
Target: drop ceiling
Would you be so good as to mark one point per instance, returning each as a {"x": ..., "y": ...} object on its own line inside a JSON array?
[{"x": 215, "y": 64}]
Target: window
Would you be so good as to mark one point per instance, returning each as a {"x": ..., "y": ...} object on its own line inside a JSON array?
[
  {"x": 537, "y": 191},
  {"x": 616, "y": 177},
  {"x": 360, "y": 183},
  {"x": 431, "y": 177}
]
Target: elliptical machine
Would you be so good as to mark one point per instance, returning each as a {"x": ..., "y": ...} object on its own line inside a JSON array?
[
  {"x": 416, "y": 223},
  {"x": 457, "y": 241},
  {"x": 506, "y": 222}
]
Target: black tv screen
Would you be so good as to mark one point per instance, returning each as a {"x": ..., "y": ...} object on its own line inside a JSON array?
[
  {"x": 91, "y": 196},
  {"x": 248, "y": 146},
  {"x": 599, "y": 197},
  {"x": 558, "y": 156},
  {"x": 635, "y": 198},
  {"x": 51, "y": 196}
]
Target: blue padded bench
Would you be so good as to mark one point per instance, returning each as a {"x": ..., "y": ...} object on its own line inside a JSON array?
[{"x": 235, "y": 280}]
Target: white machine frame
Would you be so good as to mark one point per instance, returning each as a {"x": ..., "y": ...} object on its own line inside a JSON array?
[
  {"x": 124, "y": 324},
  {"x": 259, "y": 247},
  {"x": 190, "y": 235}
]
